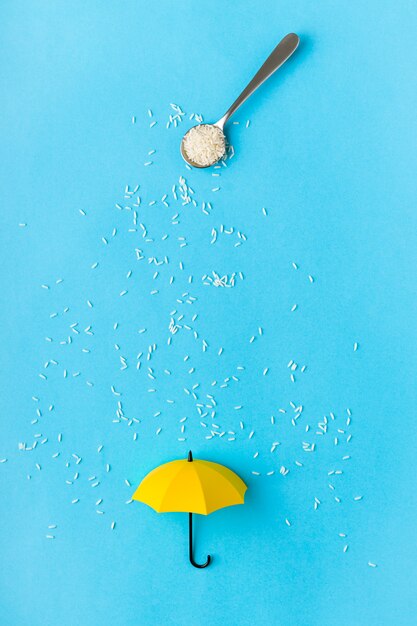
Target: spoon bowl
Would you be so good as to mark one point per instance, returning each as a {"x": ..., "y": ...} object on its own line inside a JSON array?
[{"x": 217, "y": 155}]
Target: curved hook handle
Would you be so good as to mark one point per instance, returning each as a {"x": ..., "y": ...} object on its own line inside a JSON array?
[
  {"x": 190, "y": 537},
  {"x": 202, "y": 564}
]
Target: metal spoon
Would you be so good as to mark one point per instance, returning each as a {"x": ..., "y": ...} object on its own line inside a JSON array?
[{"x": 278, "y": 56}]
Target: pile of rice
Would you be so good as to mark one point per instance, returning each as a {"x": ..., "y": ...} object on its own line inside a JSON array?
[{"x": 204, "y": 144}]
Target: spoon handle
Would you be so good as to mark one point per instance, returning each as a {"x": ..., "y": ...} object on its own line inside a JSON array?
[{"x": 278, "y": 56}]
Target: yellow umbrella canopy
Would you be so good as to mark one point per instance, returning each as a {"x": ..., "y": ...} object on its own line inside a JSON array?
[{"x": 191, "y": 486}]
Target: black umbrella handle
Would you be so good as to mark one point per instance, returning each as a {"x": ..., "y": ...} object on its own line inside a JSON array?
[{"x": 190, "y": 536}]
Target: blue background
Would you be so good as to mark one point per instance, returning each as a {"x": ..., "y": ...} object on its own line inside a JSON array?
[{"x": 330, "y": 153}]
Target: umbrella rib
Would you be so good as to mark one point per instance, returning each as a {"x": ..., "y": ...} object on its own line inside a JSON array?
[
  {"x": 235, "y": 489},
  {"x": 202, "y": 493},
  {"x": 160, "y": 504},
  {"x": 166, "y": 495}
]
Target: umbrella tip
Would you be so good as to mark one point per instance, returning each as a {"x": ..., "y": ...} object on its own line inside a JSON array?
[{"x": 190, "y": 456}]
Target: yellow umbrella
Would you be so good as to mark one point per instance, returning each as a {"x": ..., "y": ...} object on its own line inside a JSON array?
[{"x": 191, "y": 486}]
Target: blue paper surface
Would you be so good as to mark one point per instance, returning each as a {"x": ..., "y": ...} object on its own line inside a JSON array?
[{"x": 330, "y": 154}]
